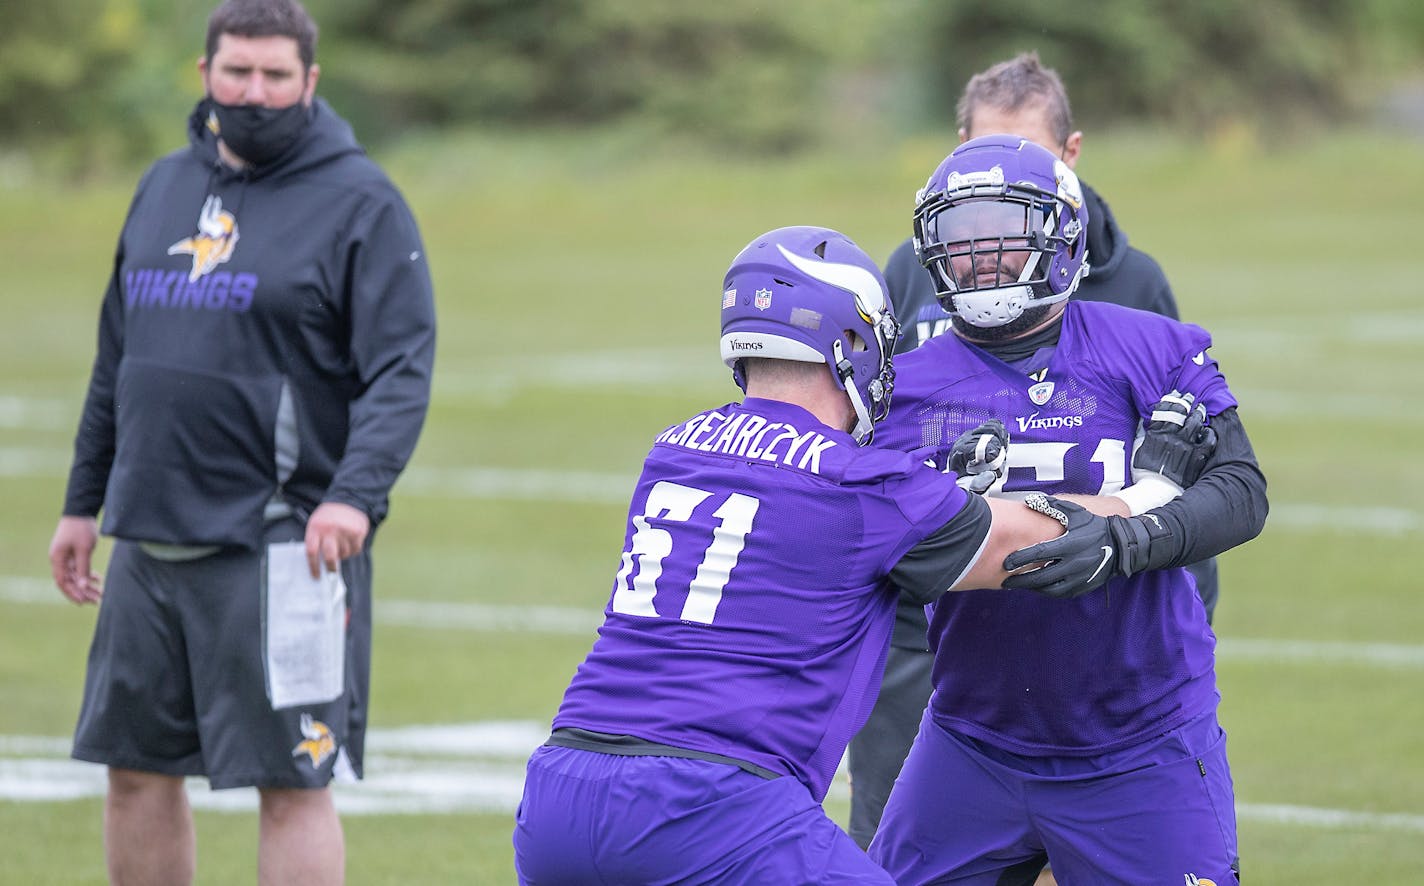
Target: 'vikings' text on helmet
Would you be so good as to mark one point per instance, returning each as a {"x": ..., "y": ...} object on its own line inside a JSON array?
[
  {"x": 809, "y": 294},
  {"x": 1002, "y": 228}
]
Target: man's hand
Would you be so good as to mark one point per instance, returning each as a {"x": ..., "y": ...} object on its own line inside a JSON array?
[
  {"x": 979, "y": 456},
  {"x": 1178, "y": 441},
  {"x": 71, "y": 553},
  {"x": 334, "y": 532},
  {"x": 1091, "y": 551}
]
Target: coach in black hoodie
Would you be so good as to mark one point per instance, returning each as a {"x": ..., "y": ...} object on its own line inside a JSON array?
[
  {"x": 1021, "y": 97},
  {"x": 263, "y": 372}
]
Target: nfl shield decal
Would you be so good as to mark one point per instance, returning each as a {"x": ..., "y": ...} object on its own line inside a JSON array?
[
  {"x": 1041, "y": 393},
  {"x": 763, "y": 299}
]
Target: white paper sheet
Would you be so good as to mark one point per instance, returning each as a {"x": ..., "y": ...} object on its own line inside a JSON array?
[{"x": 304, "y": 624}]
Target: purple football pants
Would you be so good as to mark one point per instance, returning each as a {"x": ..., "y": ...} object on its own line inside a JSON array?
[
  {"x": 964, "y": 812},
  {"x": 593, "y": 818}
]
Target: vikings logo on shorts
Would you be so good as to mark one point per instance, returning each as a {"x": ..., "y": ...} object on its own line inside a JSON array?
[
  {"x": 1193, "y": 880},
  {"x": 318, "y": 744},
  {"x": 214, "y": 242}
]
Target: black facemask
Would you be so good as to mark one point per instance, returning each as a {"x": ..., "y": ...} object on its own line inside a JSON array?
[{"x": 260, "y": 135}]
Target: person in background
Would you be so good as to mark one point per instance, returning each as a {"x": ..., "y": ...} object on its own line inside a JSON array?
[{"x": 263, "y": 372}]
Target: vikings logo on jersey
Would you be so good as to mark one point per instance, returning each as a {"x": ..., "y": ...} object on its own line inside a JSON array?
[
  {"x": 214, "y": 242},
  {"x": 318, "y": 742}
]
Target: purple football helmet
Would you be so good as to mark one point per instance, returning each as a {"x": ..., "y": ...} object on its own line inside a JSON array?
[
  {"x": 1001, "y": 227},
  {"x": 811, "y": 295}
]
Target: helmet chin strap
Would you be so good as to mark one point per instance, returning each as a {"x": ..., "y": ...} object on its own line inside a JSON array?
[{"x": 846, "y": 372}]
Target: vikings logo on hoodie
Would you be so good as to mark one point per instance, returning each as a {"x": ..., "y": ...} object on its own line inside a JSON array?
[
  {"x": 199, "y": 287},
  {"x": 214, "y": 242}
]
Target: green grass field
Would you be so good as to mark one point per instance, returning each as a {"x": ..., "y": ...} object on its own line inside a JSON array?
[{"x": 577, "y": 284}]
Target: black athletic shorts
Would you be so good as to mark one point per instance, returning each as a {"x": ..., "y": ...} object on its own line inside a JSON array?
[{"x": 177, "y": 679}]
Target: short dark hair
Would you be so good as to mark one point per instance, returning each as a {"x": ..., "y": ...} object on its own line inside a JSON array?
[
  {"x": 264, "y": 18},
  {"x": 780, "y": 369},
  {"x": 1011, "y": 85}
]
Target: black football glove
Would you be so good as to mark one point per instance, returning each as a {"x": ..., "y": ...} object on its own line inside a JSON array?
[
  {"x": 1091, "y": 550},
  {"x": 979, "y": 456},
  {"x": 1177, "y": 440}
]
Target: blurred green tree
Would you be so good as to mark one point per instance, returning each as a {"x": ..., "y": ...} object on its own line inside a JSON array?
[
  {"x": 87, "y": 90},
  {"x": 742, "y": 72},
  {"x": 86, "y": 85},
  {"x": 1205, "y": 65}
]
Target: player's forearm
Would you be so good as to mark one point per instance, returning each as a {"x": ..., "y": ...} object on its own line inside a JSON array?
[
  {"x": 1102, "y": 505},
  {"x": 1224, "y": 508},
  {"x": 1014, "y": 527}
]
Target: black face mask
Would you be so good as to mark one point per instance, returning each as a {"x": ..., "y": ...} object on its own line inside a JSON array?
[{"x": 260, "y": 135}]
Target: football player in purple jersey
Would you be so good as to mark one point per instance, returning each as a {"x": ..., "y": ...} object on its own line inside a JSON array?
[
  {"x": 748, "y": 624},
  {"x": 1024, "y": 97},
  {"x": 1073, "y": 718}
]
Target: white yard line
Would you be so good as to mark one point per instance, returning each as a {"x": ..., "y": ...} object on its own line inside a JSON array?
[
  {"x": 518, "y": 484},
  {"x": 1390, "y": 656},
  {"x": 473, "y": 768},
  {"x": 489, "y": 617},
  {"x": 595, "y": 487},
  {"x": 1330, "y": 819},
  {"x": 39, "y": 413},
  {"x": 451, "y": 768},
  {"x": 572, "y": 620}
]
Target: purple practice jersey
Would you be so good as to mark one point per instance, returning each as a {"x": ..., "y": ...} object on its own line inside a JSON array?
[
  {"x": 1023, "y": 671},
  {"x": 751, "y": 614}
]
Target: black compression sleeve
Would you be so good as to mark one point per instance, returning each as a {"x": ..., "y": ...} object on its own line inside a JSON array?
[
  {"x": 1224, "y": 508},
  {"x": 931, "y": 567}
]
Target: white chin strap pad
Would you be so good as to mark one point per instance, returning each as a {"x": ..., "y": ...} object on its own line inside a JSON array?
[{"x": 989, "y": 308}]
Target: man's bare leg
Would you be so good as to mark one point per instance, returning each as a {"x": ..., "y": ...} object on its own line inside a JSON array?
[
  {"x": 299, "y": 838},
  {"x": 148, "y": 830}
]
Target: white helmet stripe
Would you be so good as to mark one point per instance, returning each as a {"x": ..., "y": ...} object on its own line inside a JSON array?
[
  {"x": 868, "y": 293},
  {"x": 1031, "y": 266}
]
